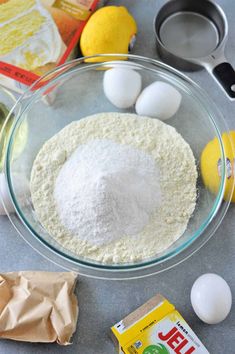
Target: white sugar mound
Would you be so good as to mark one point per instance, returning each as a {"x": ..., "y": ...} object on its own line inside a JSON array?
[{"x": 106, "y": 190}]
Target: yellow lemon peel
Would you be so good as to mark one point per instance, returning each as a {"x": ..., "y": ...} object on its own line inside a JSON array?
[
  {"x": 210, "y": 164},
  {"x": 109, "y": 30}
]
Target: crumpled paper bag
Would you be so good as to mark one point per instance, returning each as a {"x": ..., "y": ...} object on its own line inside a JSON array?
[{"x": 38, "y": 306}]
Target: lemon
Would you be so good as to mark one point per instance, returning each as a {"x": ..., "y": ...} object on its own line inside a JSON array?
[
  {"x": 211, "y": 164},
  {"x": 110, "y": 29}
]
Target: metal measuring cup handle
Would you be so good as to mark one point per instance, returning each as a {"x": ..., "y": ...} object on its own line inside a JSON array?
[{"x": 225, "y": 75}]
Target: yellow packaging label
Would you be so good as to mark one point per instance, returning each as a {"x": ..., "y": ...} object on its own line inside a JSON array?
[
  {"x": 156, "y": 328},
  {"x": 79, "y": 9}
]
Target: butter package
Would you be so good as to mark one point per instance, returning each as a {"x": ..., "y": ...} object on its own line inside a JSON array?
[
  {"x": 156, "y": 328},
  {"x": 38, "y": 306},
  {"x": 38, "y": 35}
]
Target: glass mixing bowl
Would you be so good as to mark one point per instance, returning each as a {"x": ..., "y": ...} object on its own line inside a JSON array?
[{"x": 75, "y": 90}]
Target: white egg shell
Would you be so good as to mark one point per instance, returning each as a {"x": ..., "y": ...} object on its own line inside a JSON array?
[
  {"x": 211, "y": 298},
  {"x": 158, "y": 100},
  {"x": 122, "y": 86},
  {"x": 4, "y": 196},
  {"x": 21, "y": 185}
]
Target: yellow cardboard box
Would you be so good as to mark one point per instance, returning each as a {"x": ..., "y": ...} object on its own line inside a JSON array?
[{"x": 156, "y": 328}]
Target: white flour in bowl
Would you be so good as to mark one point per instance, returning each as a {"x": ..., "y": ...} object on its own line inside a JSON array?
[{"x": 117, "y": 209}]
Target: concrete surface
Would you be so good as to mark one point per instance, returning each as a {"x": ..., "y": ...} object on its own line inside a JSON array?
[{"x": 103, "y": 303}]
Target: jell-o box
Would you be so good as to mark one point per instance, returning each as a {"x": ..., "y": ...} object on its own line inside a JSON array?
[{"x": 156, "y": 328}]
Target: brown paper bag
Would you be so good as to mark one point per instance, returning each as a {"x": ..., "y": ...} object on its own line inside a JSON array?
[{"x": 38, "y": 306}]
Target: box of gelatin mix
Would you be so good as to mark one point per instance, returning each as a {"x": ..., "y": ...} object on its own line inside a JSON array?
[
  {"x": 156, "y": 328},
  {"x": 38, "y": 35}
]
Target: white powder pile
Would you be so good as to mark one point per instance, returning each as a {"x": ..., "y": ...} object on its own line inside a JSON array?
[
  {"x": 107, "y": 190},
  {"x": 82, "y": 169}
]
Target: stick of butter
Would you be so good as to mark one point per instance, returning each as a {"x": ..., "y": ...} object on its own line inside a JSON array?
[
  {"x": 37, "y": 306},
  {"x": 155, "y": 328}
]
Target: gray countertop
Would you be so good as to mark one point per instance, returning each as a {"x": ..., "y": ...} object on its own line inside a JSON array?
[{"x": 103, "y": 303}]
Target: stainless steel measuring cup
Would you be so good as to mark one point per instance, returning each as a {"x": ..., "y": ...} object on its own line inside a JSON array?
[{"x": 193, "y": 33}]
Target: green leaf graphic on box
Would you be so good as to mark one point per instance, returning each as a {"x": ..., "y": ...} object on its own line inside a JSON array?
[{"x": 156, "y": 349}]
